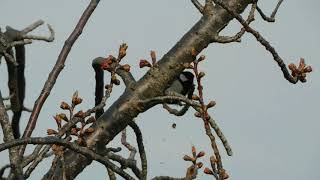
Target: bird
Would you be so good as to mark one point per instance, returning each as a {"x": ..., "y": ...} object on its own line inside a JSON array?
[{"x": 183, "y": 84}]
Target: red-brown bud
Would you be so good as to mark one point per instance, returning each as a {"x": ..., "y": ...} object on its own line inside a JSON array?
[
  {"x": 51, "y": 132},
  {"x": 64, "y": 106},
  {"x": 199, "y": 164},
  {"x": 80, "y": 114},
  {"x": 308, "y": 69},
  {"x": 224, "y": 174},
  {"x": 195, "y": 97},
  {"x": 201, "y": 58},
  {"x": 89, "y": 130},
  {"x": 74, "y": 131},
  {"x": 144, "y": 63},
  {"x": 114, "y": 80},
  {"x": 63, "y": 116},
  {"x": 197, "y": 114},
  {"x": 201, "y": 74},
  {"x": 91, "y": 120},
  {"x": 211, "y": 104},
  {"x": 194, "y": 151},
  {"x": 302, "y": 64},
  {"x": 207, "y": 171},
  {"x": 188, "y": 158},
  {"x": 201, "y": 154},
  {"x": 213, "y": 160},
  {"x": 58, "y": 119},
  {"x": 108, "y": 87},
  {"x": 122, "y": 51},
  {"x": 126, "y": 67},
  {"x": 76, "y": 99},
  {"x": 153, "y": 57}
]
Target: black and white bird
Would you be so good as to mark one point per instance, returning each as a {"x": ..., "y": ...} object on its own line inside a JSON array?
[{"x": 183, "y": 85}]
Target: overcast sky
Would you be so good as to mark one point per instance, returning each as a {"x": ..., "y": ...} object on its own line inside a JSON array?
[{"x": 272, "y": 125}]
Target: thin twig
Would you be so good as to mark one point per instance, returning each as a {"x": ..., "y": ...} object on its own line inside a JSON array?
[
  {"x": 273, "y": 14},
  {"x": 57, "y": 69},
  {"x": 143, "y": 156},
  {"x": 8, "y": 137},
  {"x": 205, "y": 117},
  {"x": 62, "y": 131},
  {"x": 72, "y": 146},
  {"x": 32, "y": 27},
  {"x": 42, "y": 38},
  {"x": 262, "y": 41},
  {"x": 10, "y": 58},
  {"x": 111, "y": 174},
  {"x": 176, "y": 112},
  {"x": 198, "y": 5},
  {"x": 237, "y": 37}
]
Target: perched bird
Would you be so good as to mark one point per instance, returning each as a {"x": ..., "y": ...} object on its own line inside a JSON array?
[{"x": 183, "y": 85}]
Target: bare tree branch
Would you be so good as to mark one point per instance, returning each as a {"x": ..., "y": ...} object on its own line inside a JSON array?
[
  {"x": 198, "y": 5},
  {"x": 57, "y": 69},
  {"x": 262, "y": 41},
  {"x": 143, "y": 156},
  {"x": 273, "y": 14},
  {"x": 8, "y": 137},
  {"x": 73, "y": 146}
]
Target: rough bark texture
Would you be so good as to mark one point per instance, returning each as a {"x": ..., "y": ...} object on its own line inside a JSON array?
[{"x": 153, "y": 84}]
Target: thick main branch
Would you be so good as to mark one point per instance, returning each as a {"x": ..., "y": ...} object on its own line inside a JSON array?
[{"x": 153, "y": 84}]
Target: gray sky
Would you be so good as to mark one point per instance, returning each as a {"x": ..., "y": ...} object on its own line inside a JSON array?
[{"x": 272, "y": 125}]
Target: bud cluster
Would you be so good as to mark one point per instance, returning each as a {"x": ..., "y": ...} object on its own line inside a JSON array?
[{"x": 79, "y": 130}]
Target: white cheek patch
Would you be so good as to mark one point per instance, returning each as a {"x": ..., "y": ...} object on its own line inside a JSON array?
[{"x": 183, "y": 78}]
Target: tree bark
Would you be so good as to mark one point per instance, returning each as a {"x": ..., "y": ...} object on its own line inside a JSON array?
[{"x": 152, "y": 84}]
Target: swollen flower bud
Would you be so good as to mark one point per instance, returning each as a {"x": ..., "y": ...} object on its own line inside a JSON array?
[
  {"x": 89, "y": 130},
  {"x": 144, "y": 63},
  {"x": 64, "y": 106},
  {"x": 197, "y": 114},
  {"x": 153, "y": 57},
  {"x": 114, "y": 80},
  {"x": 122, "y": 51},
  {"x": 199, "y": 164},
  {"x": 63, "y": 116},
  {"x": 201, "y": 74},
  {"x": 211, "y": 104},
  {"x": 91, "y": 120},
  {"x": 51, "y": 132},
  {"x": 207, "y": 171},
  {"x": 201, "y": 58},
  {"x": 195, "y": 97},
  {"x": 75, "y": 99},
  {"x": 308, "y": 69},
  {"x": 194, "y": 151},
  {"x": 126, "y": 67},
  {"x": 188, "y": 158},
  {"x": 200, "y": 154},
  {"x": 80, "y": 114}
]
